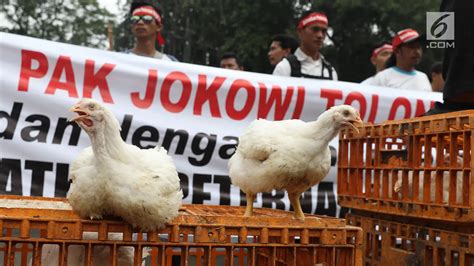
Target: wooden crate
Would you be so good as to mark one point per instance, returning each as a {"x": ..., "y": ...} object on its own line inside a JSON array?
[
  {"x": 395, "y": 240},
  {"x": 429, "y": 159},
  {"x": 200, "y": 235}
]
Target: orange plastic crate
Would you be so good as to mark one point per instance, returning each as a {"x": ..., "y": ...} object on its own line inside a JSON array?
[
  {"x": 430, "y": 157},
  {"x": 395, "y": 240},
  {"x": 200, "y": 235}
]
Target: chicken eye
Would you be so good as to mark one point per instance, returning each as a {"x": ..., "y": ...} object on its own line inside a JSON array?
[
  {"x": 346, "y": 113},
  {"x": 92, "y": 106}
]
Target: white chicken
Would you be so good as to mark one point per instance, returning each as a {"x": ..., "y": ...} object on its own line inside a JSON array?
[
  {"x": 100, "y": 254},
  {"x": 445, "y": 179},
  {"x": 114, "y": 178},
  {"x": 290, "y": 154}
]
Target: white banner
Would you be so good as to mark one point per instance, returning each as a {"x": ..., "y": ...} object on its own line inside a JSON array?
[{"x": 195, "y": 112}]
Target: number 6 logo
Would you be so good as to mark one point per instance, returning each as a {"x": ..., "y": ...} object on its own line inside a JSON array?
[
  {"x": 439, "y": 23},
  {"x": 440, "y": 26}
]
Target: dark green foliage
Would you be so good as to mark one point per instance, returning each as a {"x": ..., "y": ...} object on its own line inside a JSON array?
[{"x": 81, "y": 22}]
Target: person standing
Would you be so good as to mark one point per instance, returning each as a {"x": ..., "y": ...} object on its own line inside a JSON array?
[
  {"x": 146, "y": 26},
  {"x": 379, "y": 57},
  {"x": 458, "y": 61},
  {"x": 280, "y": 47},
  {"x": 230, "y": 61},
  {"x": 307, "y": 61},
  {"x": 400, "y": 72},
  {"x": 436, "y": 76}
]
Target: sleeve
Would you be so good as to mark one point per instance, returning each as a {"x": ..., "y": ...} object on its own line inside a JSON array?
[
  {"x": 425, "y": 83},
  {"x": 283, "y": 68},
  {"x": 368, "y": 81},
  {"x": 171, "y": 57},
  {"x": 167, "y": 58},
  {"x": 378, "y": 80}
]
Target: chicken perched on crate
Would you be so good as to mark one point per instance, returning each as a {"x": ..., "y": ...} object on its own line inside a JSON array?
[
  {"x": 114, "y": 178},
  {"x": 291, "y": 154}
]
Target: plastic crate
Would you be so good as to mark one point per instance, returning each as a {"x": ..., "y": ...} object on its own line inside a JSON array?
[
  {"x": 430, "y": 158},
  {"x": 391, "y": 240},
  {"x": 200, "y": 235}
]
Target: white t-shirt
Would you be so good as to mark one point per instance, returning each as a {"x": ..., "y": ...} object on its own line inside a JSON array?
[
  {"x": 158, "y": 55},
  {"x": 368, "y": 81},
  {"x": 395, "y": 77},
  {"x": 162, "y": 56},
  {"x": 309, "y": 66}
]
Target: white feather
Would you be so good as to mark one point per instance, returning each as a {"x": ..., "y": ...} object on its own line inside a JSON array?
[
  {"x": 115, "y": 178},
  {"x": 291, "y": 154},
  {"x": 445, "y": 179},
  {"x": 100, "y": 253}
]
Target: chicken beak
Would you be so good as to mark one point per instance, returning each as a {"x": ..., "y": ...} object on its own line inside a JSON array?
[
  {"x": 354, "y": 124},
  {"x": 77, "y": 109}
]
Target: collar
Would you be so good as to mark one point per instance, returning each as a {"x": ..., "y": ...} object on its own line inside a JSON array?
[
  {"x": 157, "y": 54},
  {"x": 399, "y": 70},
  {"x": 304, "y": 57}
]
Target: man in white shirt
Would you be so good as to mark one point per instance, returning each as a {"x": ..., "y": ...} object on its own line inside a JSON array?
[
  {"x": 146, "y": 27},
  {"x": 401, "y": 72},
  {"x": 379, "y": 57},
  {"x": 307, "y": 61},
  {"x": 281, "y": 46}
]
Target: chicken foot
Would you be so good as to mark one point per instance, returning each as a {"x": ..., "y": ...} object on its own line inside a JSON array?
[
  {"x": 249, "y": 208},
  {"x": 295, "y": 202}
]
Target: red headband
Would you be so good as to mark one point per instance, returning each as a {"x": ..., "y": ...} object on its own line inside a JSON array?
[
  {"x": 150, "y": 11},
  {"x": 378, "y": 50},
  {"x": 312, "y": 19},
  {"x": 147, "y": 10}
]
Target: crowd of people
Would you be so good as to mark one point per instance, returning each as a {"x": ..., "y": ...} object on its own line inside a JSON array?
[{"x": 394, "y": 62}]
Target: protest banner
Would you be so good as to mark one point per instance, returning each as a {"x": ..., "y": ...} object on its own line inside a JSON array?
[{"x": 196, "y": 112}]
